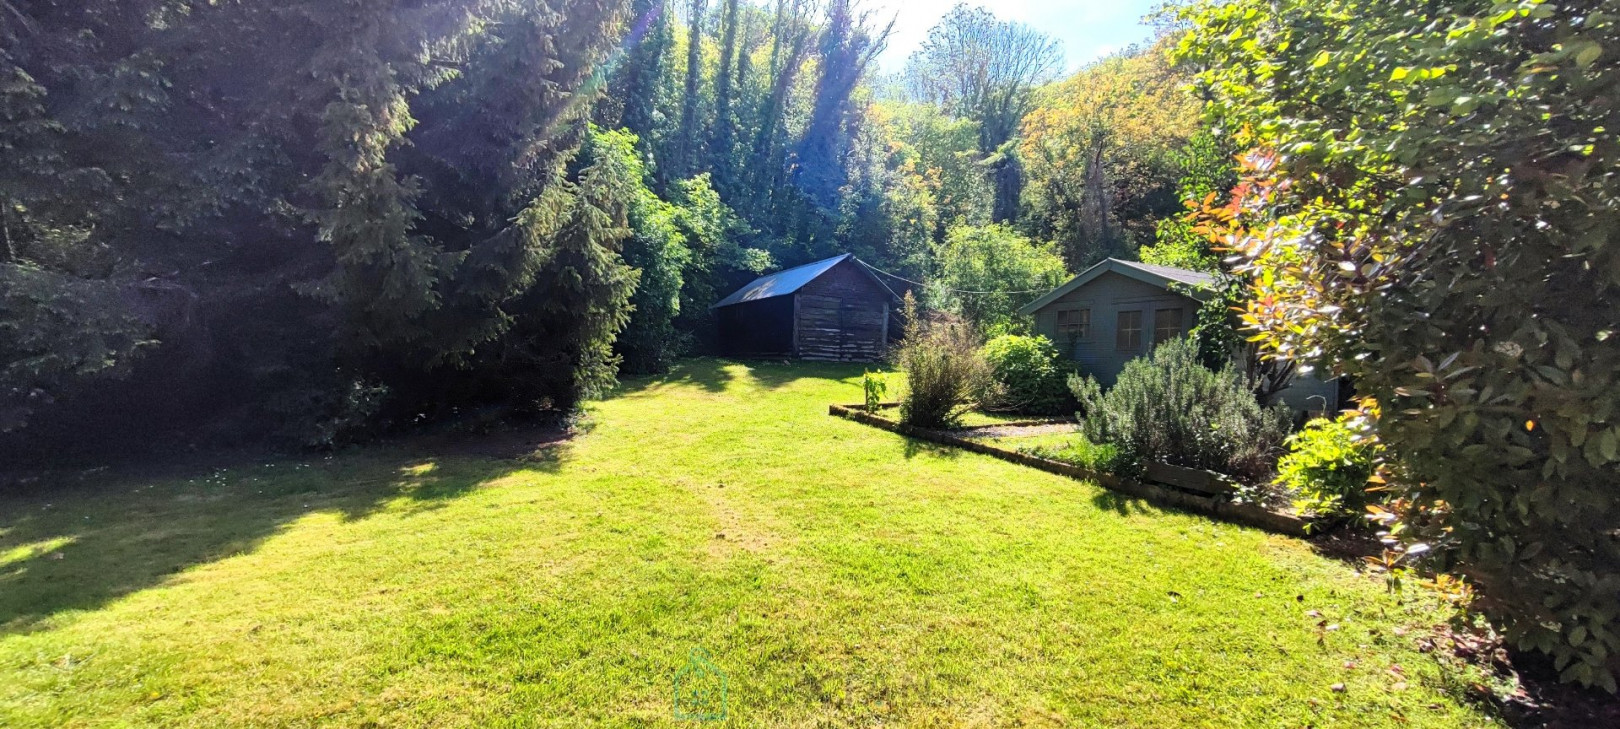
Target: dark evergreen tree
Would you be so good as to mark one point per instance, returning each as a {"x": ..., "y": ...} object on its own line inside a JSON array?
[{"x": 176, "y": 174}]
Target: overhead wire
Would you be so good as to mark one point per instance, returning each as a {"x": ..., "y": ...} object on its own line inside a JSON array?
[{"x": 875, "y": 269}]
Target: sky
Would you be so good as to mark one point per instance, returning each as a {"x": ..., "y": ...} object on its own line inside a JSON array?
[{"x": 1089, "y": 29}]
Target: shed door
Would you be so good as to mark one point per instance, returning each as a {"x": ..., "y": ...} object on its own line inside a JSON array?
[
  {"x": 864, "y": 329},
  {"x": 841, "y": 329}
]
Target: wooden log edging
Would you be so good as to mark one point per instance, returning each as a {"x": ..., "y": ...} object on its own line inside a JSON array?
[
  {"x": 1246, "y": 514},
  {"x": 1054, "y": 420},
  {"x": 1030, "y": 423}
]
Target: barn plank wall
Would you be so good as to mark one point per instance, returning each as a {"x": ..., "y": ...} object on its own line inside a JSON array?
[{"x": 842, "y": 317}]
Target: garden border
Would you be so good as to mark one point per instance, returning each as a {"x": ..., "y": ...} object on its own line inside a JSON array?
[
  {"x": 1246, "y": 514},
  {"x": 1026, "y": 423}
]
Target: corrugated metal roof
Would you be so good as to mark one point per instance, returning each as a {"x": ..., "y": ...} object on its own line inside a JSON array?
[{"x": 781, "y": 283}]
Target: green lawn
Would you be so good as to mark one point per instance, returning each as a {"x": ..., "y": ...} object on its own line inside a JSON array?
[{"x": 839, "y": 575}]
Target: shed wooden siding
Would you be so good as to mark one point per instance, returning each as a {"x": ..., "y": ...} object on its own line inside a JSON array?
[
  {"x": 1107, "y": 296},
  {"x": 842, "y": 316}
]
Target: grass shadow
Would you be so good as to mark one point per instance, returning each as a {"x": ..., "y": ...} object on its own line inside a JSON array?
[
  {"x": 914, "y": 447},
  {"x": 775, "y": 374},
  {"x": 711, "y": 375},
  {"x": 714, "y": 375},
  {"x": 78, "y": 543}
]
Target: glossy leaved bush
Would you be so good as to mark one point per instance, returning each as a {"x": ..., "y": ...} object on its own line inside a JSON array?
[
  {"x": 1432, "y": 208},
  {"x": 1028, "y": 375}
]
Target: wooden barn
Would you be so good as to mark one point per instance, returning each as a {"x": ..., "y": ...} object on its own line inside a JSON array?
[{"x": 833, "y": 310}]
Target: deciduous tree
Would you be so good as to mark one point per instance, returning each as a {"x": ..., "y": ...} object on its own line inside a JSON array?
[{"x": 977, "y": 66}]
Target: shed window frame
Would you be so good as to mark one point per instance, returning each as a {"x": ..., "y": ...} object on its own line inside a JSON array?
[
  {"x": 1163, "y": 333},
  {"x": 1074, "y": 322},
  {"x": 1128, "y": 331}
]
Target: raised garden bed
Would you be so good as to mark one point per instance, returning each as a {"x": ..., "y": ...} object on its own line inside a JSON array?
[
  {"x": 978, "y": 420},
  {"x": 1196, "y": 491}
]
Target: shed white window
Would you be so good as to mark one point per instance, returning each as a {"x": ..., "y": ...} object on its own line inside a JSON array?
[
  {"x": 1074, "y": 323},
  {"x": 1128, "y": 335},
  {"x": 1166, "y": 325}
]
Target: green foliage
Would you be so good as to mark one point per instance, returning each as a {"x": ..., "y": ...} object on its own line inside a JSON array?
[
  {"x": 1206, "y": 172},
  {"x": 890, "y": 213},
  {"x": 985, "y": 274},
  {"x": 174, "y": 170},
  {"x": 55, "y": 329},
  {"x": 847, "y": 48},
  {"x": 1028, "y": 374},
  {"x": 582, "y": 293},
  {"x": 976, "y": 66},
  {"x": 636, "y": 91},
  {"x": 874, "y": 387},
  {"x": 1218, "y": 328},
  {"x": 1077, "y": 451},
  {"x": 943, "y": 367},
  {"x": 657, "y": 248},
  {"x": 713, "y": 235},
  {"x": 1102, "y": 153},
  {"x": 1168, "y": 407},
  {"x": 1328, "y": 465},
  {"x": 63, "y": 309},
  {"x": 945, "y": 153},
  {"x": 1431, "y": 209}
]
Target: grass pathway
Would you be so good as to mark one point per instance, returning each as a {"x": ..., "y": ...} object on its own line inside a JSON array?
[{"x": 838, "y": 574}]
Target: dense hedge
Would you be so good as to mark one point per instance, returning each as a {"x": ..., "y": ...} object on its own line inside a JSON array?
[{"x": 1432, "y": 208}]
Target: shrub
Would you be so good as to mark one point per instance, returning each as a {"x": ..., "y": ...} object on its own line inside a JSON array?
[
  {"x": 1027, "y": 375},
  {"x": 1328, "y": 465},
  {"x": 944, "y": 371},
  {"x": 650, "y": 342},
  {"x": 1169, "y": 408}
]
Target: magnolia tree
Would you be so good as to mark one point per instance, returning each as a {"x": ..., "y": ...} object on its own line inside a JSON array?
[{"x": 1433, "y": 208}]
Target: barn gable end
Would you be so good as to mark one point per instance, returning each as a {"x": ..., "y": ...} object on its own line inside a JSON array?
[{"x": 832, "y": 310}]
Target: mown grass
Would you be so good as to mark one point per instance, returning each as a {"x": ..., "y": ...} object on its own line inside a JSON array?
[{"x": 839, "y": 574}]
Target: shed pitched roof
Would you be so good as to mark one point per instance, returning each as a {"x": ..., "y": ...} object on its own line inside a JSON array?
[
  {"x": 1162, "y": 276},
  {"x": 786, "y": 282}
]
